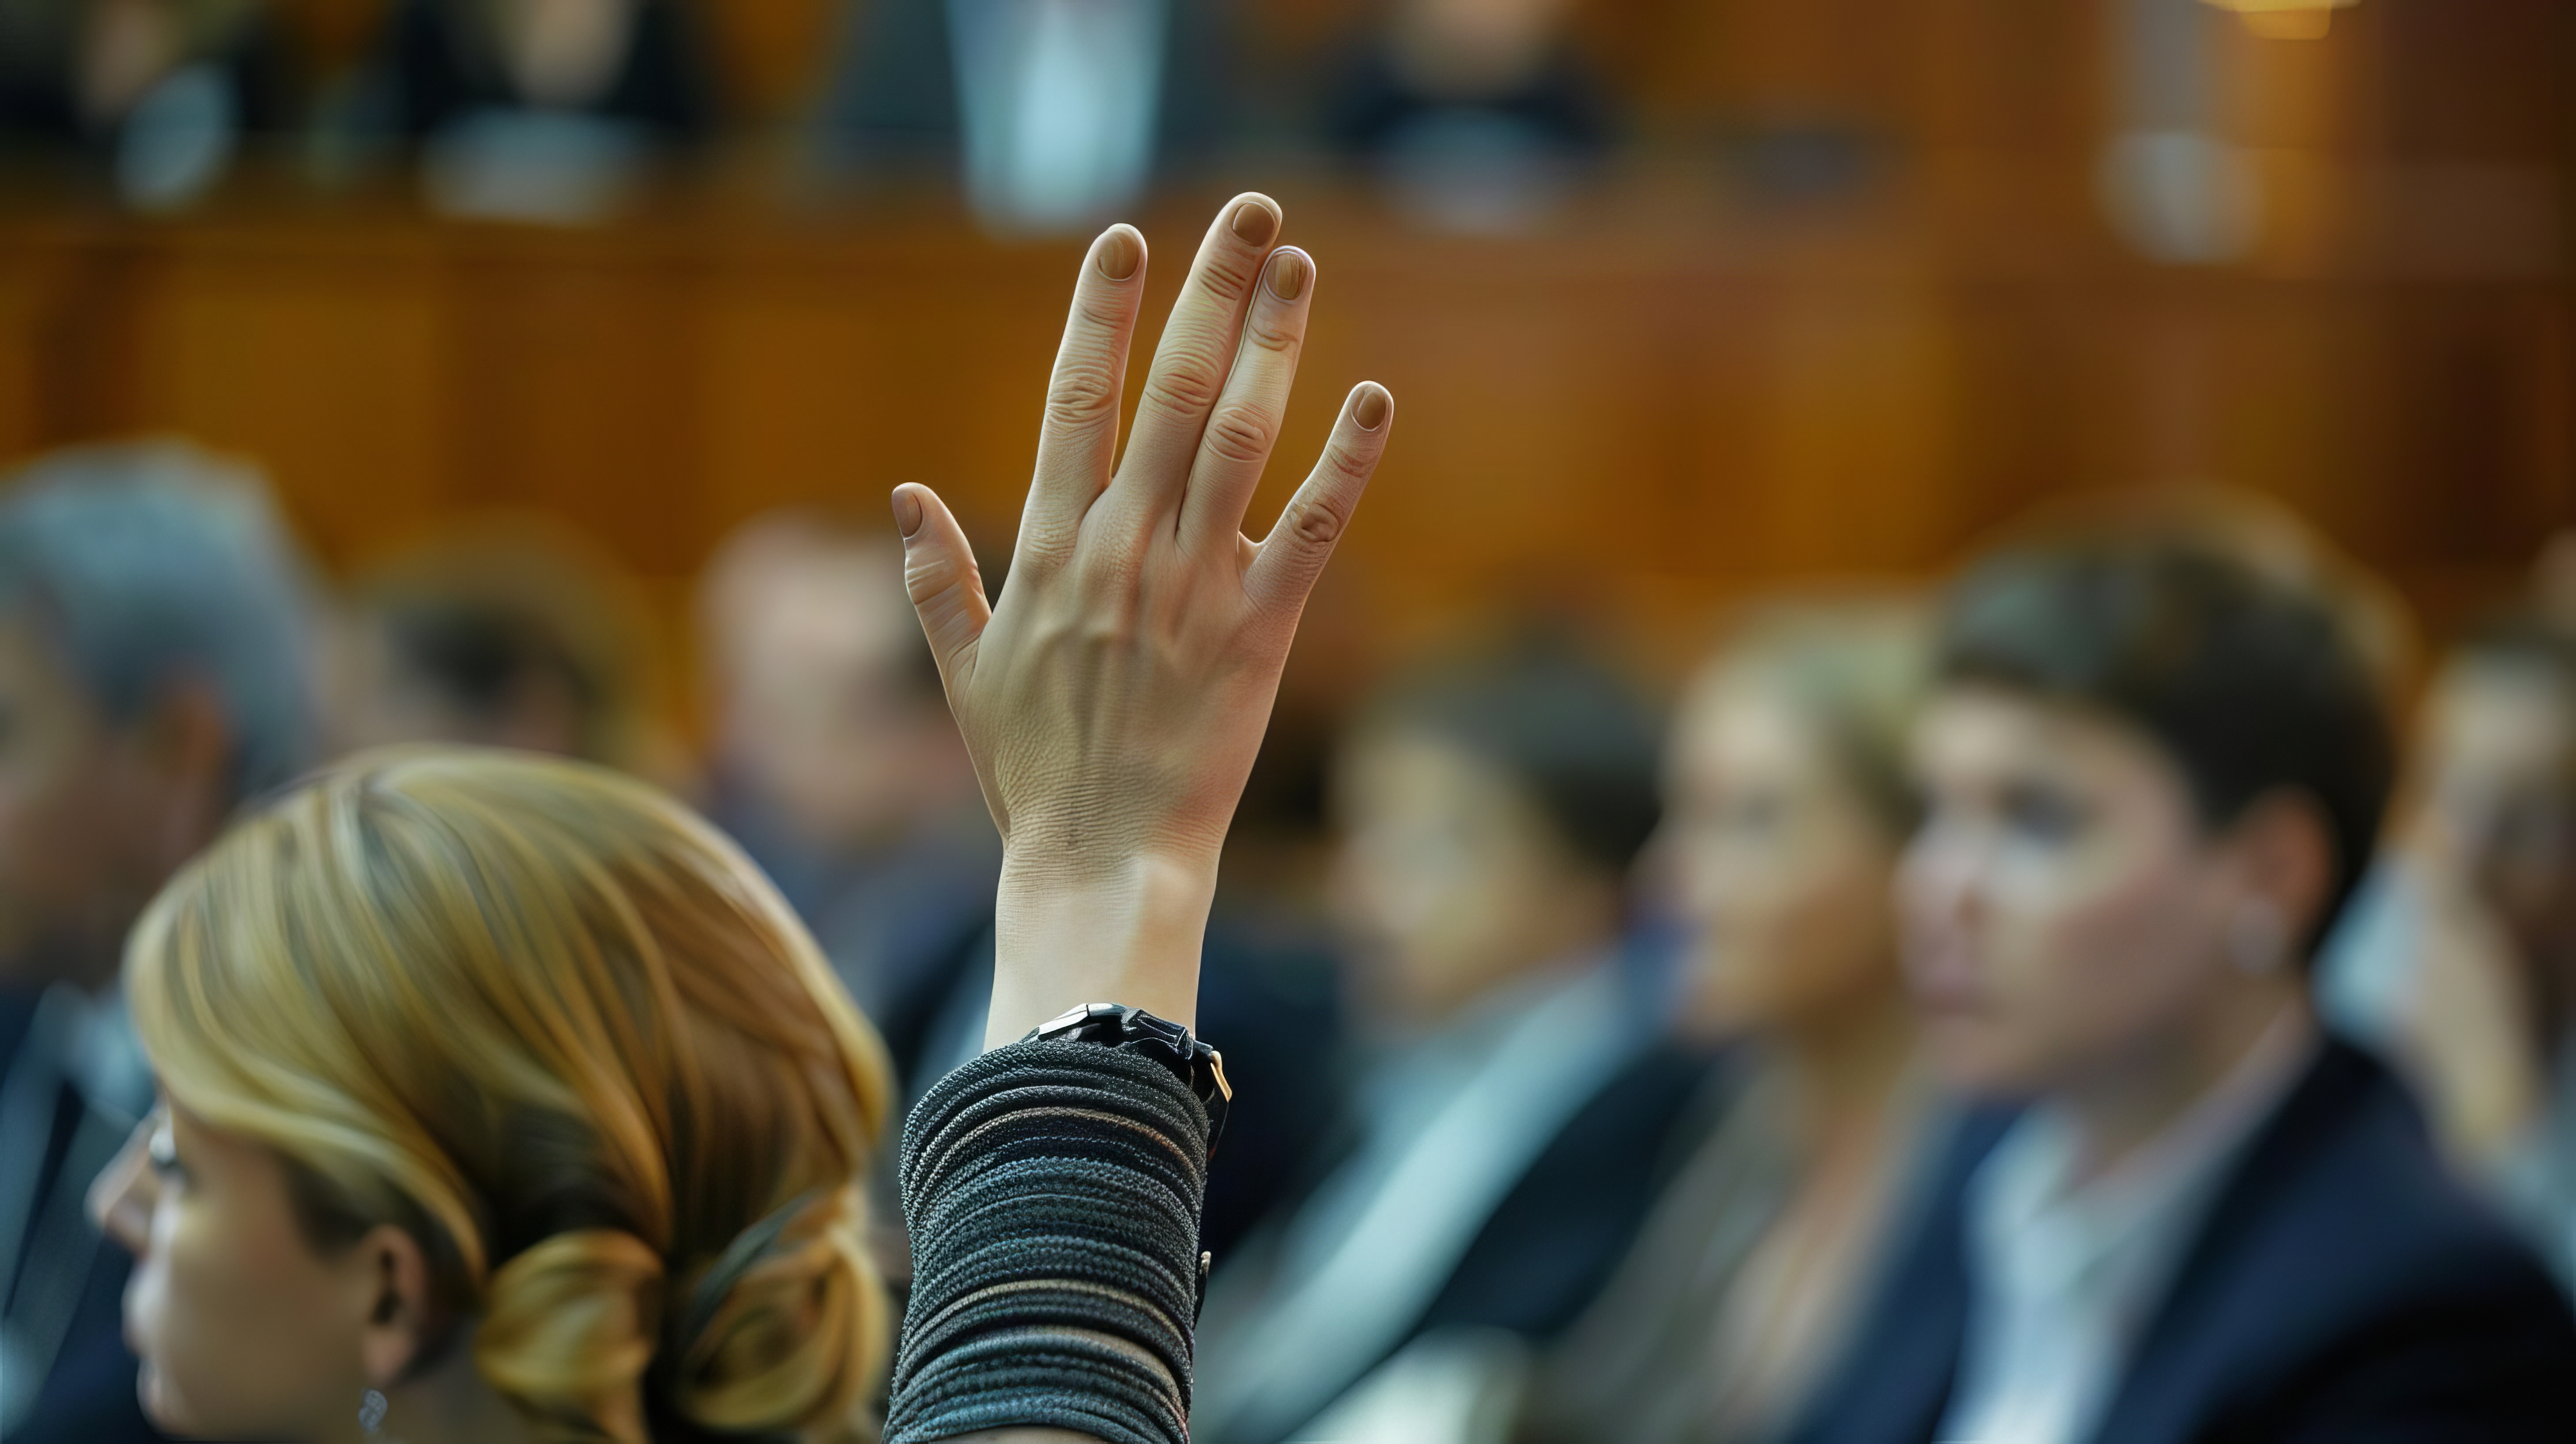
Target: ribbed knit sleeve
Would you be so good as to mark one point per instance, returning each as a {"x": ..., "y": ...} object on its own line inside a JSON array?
[{"x": 1053, "y": 1192}]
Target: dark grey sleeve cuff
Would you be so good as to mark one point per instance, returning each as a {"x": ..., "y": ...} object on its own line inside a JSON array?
[{"x": 1052, "y": 1190}]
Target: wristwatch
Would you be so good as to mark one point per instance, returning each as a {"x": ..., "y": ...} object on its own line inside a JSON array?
[{"x": 1133, "y": 1030}]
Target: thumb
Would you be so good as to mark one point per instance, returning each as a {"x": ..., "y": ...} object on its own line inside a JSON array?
[{"x": 939, "y": 572}]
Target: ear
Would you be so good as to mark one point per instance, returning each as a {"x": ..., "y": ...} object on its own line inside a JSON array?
[
  {"x": 391, "y": 1301},
  {"x": 185, "y": 748},
  {"x": 2285, "y": 851}
]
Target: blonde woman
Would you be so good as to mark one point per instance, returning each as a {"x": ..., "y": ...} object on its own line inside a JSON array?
[
  {"x": 503, "y": 1100},
  {"x": 1786, "y": 808}
]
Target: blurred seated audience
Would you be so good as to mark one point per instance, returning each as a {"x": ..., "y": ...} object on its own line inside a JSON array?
[
  {"x": 1787, "y": 806},
  {"x": 1504, "y": 1133},
  {"x": 541, "y": 110},
  {"x": 2465, "y": 968},
  {"x": 834, "y": 759},
  {"x": 498, "y": 634},
  {"x": 1053, "y": 113},
  {"x": 157, "y": 94},
  {"x": 152, "y": 677},
  {"x": 2153, "y": 766}
]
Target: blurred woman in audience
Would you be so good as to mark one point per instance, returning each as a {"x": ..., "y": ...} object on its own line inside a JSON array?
[
  {"x": 1787, "y": 807},
  {"x": 2153, "y": 768},
  {"x": 2467, "y": 970},
  {"x": 1506, "y": 1126}
]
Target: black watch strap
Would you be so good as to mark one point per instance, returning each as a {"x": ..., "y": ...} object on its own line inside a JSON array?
[{"x": 1133, "y": 1030}]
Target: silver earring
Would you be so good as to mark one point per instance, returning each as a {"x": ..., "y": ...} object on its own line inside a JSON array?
[
  {"x": 371, "y": 1411},
  {"x": 2258, "y": 940}
]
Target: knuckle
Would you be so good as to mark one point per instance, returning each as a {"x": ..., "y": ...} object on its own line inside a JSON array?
[
  {"x": 1185, "y": 389},
  {"x": 1240, "y": 433},
  {"x": 1232, "y": 271},
  {"x": 1320, "y": 520},
  {"x": 1081, "y": 394},
  {"x": 1269, "y": 335},
  {"x": 926, "y": 577},
  {"x": 1101, "y": 308},
  {"x": 1352, "y": 463}
]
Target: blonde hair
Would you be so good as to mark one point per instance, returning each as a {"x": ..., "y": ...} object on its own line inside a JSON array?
[
  {"x": 556, "y": 1026},
  {"x": 1855, "y": 668}
]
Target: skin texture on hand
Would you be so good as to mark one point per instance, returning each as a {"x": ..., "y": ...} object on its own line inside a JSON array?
[{"x": 1114, "y": 696}]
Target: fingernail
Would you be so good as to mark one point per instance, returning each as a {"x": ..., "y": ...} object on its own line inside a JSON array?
[
  {"x": 1253, "y": 223},
  {"x": 1120, "y": 250},
  {"x": 1370, "y": 410},
  {"x": 907, "y": 512},
  {"x": 1286, "y": 274}
]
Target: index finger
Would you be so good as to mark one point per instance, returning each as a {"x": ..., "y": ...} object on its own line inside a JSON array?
[{"x": 1079, "y": 437}]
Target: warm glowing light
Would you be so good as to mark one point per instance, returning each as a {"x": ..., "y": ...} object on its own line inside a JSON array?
[{"x": 2286, "y": 19}]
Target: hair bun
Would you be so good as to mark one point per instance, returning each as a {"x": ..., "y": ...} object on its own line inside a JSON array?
[
  {"x": 569, "y": 1329},
  {"x": 797, "y": 1333}
]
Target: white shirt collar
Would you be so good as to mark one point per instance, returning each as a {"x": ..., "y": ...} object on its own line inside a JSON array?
[{"x": 2065, "y": 1271}]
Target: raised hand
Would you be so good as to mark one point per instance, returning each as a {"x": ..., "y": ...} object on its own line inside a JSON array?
[{"x": 1114, "y": 697}]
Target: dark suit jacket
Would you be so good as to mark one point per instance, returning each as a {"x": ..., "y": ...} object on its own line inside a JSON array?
[
  {"x": 2344, "y": 1290},
  {"x": 433, "y": 69},
  {"x": 87, "y": 1396},
  {"x": 1550, "y": 1244},
  {"x": 893, "y": 98}
]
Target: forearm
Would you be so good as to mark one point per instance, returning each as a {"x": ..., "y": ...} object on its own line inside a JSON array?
[
  {"x": 1053, "y": 1192},
  {"x": 1064, "y": 936}
]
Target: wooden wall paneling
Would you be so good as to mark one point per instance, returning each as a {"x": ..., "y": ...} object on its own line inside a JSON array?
[
  {"x": 2288, "y": 399},
  {"x": 2481, "y": 436},
  {"x": 322, "y": 361},
  {"x": 573, "y": 387},
  {"x": 838, "y": 373},
  {"x": 31, "y": 282},
  {"x": 774, "y": 56},
  {"x": 2010, "y": 75},
  {"x": 1850, "y": 462},
  {"x": 1533, "y": 417}
]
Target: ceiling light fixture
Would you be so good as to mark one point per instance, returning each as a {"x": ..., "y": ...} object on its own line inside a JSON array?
[{"x": 2286, "y": 19}]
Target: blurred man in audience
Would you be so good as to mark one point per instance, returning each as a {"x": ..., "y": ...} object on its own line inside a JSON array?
[
  {"x": 836, "y": 762},
  {"x": 152, "y": 637},
  {"x": 2154, "y": 765},
  {"x": 1505, "y": 1134},
  {"x": 1052, "y": 112},
  {"x": 160, "y": 93},
  {"x": 838, "y": 765},
  {"x": 499, "y": 635}
]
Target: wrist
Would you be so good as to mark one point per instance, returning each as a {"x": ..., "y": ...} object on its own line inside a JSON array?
[{"x": 1130, "y": 934}]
